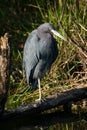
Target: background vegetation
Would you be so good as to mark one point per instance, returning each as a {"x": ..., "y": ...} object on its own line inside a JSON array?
[{"x": 19, "y": 18}]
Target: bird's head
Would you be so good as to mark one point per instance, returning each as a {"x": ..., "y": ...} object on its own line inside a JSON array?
[{"x": 49, "y": 28}]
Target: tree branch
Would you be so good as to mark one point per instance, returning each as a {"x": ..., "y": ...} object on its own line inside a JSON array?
[{"x": 51, "y": 101}]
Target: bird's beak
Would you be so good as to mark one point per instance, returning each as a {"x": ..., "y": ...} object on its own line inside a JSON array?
[{"x": 57, "y": 34}]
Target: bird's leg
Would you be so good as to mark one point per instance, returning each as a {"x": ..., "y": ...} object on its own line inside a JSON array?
[{"x": 39, "y": 86}]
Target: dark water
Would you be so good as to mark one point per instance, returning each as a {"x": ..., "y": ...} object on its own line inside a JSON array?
[{"x": 48, "y": 121}]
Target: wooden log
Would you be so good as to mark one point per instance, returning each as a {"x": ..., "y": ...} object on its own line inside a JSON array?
[
  {"x": 51, "y": 101},
  {"x": 4, "y": 70}
]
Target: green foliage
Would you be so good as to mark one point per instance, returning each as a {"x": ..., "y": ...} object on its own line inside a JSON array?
[{"x": 19, "y": 18}]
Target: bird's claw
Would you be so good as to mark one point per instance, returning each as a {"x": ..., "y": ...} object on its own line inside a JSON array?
[{"x": 40, "y": 100}]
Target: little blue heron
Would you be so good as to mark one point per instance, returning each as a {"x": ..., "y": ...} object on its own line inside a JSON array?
[{"x": 40, "y": 51}]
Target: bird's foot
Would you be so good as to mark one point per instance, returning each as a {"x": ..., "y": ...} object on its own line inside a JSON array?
[{"x": 40, "y": 100}]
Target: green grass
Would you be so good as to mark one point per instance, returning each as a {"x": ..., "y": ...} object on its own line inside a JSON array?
[{"x": 70, "y": 68}]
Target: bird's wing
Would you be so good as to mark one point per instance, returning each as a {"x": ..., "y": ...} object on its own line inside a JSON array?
[
  {"x": 47, "y": 54},
  {"x": 30, "y": 58},
  {"x": 39, "y": 54}
]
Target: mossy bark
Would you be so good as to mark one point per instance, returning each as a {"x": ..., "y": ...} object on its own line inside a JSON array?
[{"x": 4, "y": 70}]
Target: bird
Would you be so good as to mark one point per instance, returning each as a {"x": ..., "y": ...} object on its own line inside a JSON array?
[{"x": 40, "y": 52}]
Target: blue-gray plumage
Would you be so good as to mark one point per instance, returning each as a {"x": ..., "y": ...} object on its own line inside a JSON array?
[{"x": 40, "y": 51}]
